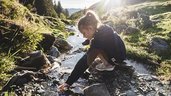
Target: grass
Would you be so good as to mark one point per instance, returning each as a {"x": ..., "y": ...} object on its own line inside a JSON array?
[
  {"x": 26, "y": 40},
  {"x": 138, "y": 43},
  {"x": 6, "y": 64}
]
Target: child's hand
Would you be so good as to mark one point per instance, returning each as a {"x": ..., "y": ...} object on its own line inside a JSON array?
[{"x": 63, "y": 87}]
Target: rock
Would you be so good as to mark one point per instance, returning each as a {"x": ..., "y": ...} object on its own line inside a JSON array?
[
  {"x": 130, "y": 93},
  {"x": 39, "y": 89},
  {"x": 51, "y": 93},
  {"x": 161, "y": 94},
  {"x": 169, "y": 34},
  {"x": 77, "y": 90},
  {"x": 47, "y": 42},
  {"x": 120, "y": 28},
  {"x": 158, "y": 45},
  {"x": 131, "y": 30},
  {"x": 36, "y": 60},
  {"x": 96, "y": 90},
  {"x": 132, "y": 14},
  {"x": 21, "y": 78},
  {"x": 35, "y": 54},
  {"x": 145, "y": 22},
  {"x": 62, "y": 45},
  {"x": 40, "y": 62},
  {"x": 53, "y": 59},
  {"x": 54, "y": 52},
  {"x": 56, "y": 82}
]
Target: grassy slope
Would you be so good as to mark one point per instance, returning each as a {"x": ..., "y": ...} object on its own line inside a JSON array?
[
  {"x": 137, "y": 44},
  {"x": 12, "y": 12}
]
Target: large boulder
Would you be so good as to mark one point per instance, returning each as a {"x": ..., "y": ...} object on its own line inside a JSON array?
[
  {"x": 37, "y": 60},
  {"x": 158, "y": 45},
  {"x": 62, "y": 45},
  {"x": 47, "y": 41},
  {"x": 96, "y": 90}
]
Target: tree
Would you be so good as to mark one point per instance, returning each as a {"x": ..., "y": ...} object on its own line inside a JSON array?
[
  {"x": 45, "y": 7},
  {"x": 66, "y": 12},
  {"x": 59, "y": 8}
]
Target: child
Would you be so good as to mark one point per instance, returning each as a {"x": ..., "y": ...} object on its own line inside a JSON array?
[{"x": 104, "y": 43}]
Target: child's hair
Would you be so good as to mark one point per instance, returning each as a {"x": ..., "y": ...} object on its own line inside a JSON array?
[{"x": 90, "y": 19}]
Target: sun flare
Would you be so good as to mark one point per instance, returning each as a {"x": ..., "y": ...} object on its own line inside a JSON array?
[{"x": 112, "y": 3}]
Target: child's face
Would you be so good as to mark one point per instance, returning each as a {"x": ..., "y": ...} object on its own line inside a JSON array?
[{"x": 88, "y": 32}]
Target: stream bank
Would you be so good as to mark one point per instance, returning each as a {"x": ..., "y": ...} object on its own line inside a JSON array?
[{"x": 119, "y": 82}]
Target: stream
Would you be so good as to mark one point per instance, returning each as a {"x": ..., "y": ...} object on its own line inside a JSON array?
[{"x": 142, "y": 83}]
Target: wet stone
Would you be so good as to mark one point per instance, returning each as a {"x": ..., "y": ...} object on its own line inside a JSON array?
[
  {"x": 122, "y": 81},
  {"x": 96, "y": 90},
  {"x": 130, "y": 93}
]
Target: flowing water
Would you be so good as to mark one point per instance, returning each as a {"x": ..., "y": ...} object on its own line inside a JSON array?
[
  {"x": 142, "y": 84},
  {"x": 146, "y": 79},
  {"x": 76, "y": 41}
]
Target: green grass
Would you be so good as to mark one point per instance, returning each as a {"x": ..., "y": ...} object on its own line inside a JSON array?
[
  {"x": 25, "y": 40},
  {"x": 138, "y": 43},
  {"x": 165, "y": 70},
  {"x": 6, "y": 65},
  {"x": 151, "y": 8}
]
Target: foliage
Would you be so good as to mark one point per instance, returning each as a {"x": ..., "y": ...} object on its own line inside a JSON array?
[
  {"x": 20, "y": 31},
  {"x": 6, "y": 65},
  {"x": 137, "y": 44},
  {"x": 61, "y": 11},
  {"x": 45, "y": 8},
  {"x": 165, "y": 70},
  {"x": 62, "y": 16},
  {"x": 66, "y": 12},
  {"x": 59, "y": 8}
]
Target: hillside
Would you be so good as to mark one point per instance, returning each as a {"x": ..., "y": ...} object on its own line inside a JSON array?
[
  {"x": 20, "y": 33},
  {"x": 73, "y": 10},
  {"x": 145, "y": 28},
  {"x": 39, "y": 49}
]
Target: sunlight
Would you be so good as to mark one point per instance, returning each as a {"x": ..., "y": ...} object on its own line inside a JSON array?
[
  {"x": 106, "y": 2},
  {"x": 112, "y": 3},
  {"x": 117, "y": 2}
]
